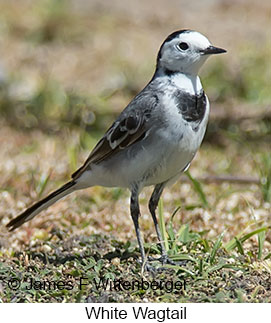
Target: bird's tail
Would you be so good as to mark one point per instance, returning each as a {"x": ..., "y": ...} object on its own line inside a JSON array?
[{"x": 35, "y": 209}]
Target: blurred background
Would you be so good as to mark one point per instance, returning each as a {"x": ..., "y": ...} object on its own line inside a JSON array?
[{"x": 68, "y": 67}]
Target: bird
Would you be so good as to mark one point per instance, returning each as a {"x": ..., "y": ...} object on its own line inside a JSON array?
[{"x": 153, "y": 140}]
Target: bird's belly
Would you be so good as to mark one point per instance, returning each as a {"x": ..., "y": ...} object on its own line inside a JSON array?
[
  {"x": 178, "y": 145},
  {"x": 148, "y": 163},
  {"x": 177, "y": 148},
  {"x": 173, "y": 160}
]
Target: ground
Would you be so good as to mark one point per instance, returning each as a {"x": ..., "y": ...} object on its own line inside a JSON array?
[{"x": 67, "y": 68}]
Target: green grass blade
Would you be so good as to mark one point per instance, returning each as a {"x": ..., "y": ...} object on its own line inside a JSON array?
[
  {"x": 201, "y": 266},
  {"x": 179, "y": 268},
  {"x": 174, "y": 213},
  {"x": 265, "y": 172},
  {"x": 216, "y": 246},
  {"x": 73, "y": 157},
  {"x": 239, "y": 246},
  {"x": 162, "y": 224},
  {"x": 233, "y": 244},
  {"x": 170, "y": 232},
  {"x": 183, "y": 233},
  {"x": 223, "y": 265},
  {"x": 198, "y": 189},
  {"x": 179, "y": 257},
  {"x": 205, "y": 244},
  {"x": 261, "y": 238},
  {"x": 43, "y": 181}
]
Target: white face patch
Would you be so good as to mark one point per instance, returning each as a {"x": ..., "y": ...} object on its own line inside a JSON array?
[
  {"x": 187, "y": 58},
  {"x": 195, "y": 40}
]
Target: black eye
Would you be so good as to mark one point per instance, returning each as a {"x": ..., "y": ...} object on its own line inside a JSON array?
[{"x": 183, "y": 46}]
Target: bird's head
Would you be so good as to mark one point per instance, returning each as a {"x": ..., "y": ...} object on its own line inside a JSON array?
[{"x": 185, "y": 51}]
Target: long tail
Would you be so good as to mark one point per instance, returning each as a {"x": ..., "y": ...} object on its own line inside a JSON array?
[{"x": 35, "y": 209}]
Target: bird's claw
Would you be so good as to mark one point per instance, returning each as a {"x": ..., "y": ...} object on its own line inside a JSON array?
[{"x": 165, "y": 260}]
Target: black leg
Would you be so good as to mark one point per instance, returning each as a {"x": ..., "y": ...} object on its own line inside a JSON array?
[
  {"x": 135, "y": 213},
  {"x": 152, "y": 207}
]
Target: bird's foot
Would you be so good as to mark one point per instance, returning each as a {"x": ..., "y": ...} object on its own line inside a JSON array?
[
  {"x": 165, "y": 260},
  {"x": 146, "y": 266},
  {"x": 149, "y": 268}
]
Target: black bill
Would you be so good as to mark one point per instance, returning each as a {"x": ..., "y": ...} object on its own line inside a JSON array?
[{"x": 213, "y": 50}]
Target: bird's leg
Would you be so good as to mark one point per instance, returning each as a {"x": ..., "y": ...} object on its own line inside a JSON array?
[
  {"x": 135, "y": 213},
  {"x": 156, "y": 194},
  {"x": 152, "y": 207}
]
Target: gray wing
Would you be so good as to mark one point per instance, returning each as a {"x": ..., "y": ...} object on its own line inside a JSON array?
[{"x": 129, "y": 128}]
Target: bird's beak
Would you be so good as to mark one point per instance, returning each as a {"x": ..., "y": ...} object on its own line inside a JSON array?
[{"x": 212, "y": 50}]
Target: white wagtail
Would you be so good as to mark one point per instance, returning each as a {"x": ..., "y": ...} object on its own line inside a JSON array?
[{"x": 155, "y": 137}]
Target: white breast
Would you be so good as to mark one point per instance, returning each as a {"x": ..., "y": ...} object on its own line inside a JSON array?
[
  {"x": 179, "y": 142},
  {"x": 188, "y": 83}
]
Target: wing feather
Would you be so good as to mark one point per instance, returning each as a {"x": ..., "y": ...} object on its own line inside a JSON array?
[
  {"x": 131, "y": 126},
  {"x": 120, "y": 135}
]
